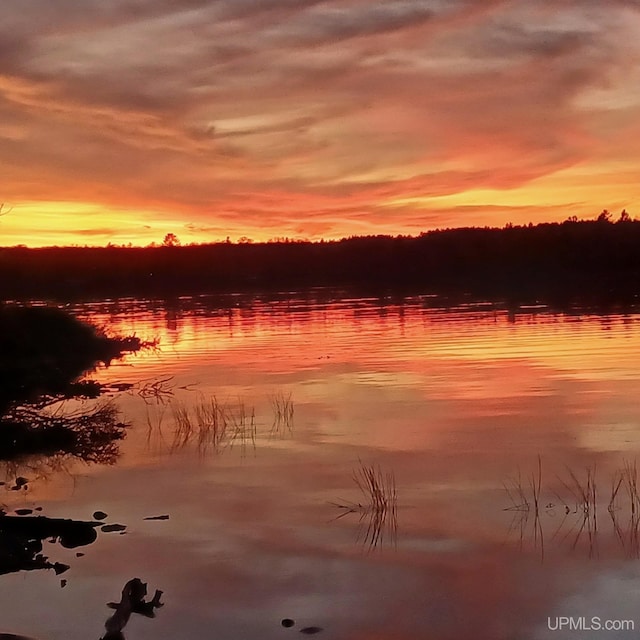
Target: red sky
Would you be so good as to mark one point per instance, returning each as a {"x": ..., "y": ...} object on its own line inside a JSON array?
[{"x": 122, "y": 120}]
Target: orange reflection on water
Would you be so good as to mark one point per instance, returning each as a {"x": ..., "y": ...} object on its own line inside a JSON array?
[
  {"x": 434, "y": 373},
  {"x": 453, "y": 402}
]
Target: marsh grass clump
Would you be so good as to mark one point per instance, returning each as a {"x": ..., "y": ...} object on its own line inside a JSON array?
[
  {"x": 625, "y": 483},
  {"x": 378, "y": 508},
  {"x": 155, "y": 415},
  {"x": 243, "y": 430},
  {"x": 583, "y": 490},
  {"x": 204, "y": 424},
  {"x": 616, "y": 484},
  {"x": 629, "y": 474},
  {"x": 378, "y": 488},
  {"x": 184, "y": 425},
  {"x": 526, "y": 501},
  {"x": 283, "y": 410},
  {"x": 525, "y": 497},
  {"x": 209, "y": 424},
  {"x": 211, "y": 421},
  {"x": 624, "y": 508},
  {"x": 577, "y": 496}
]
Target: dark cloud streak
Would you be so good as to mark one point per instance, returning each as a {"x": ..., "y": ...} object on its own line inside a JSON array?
[{"x": 192, "y": 102}]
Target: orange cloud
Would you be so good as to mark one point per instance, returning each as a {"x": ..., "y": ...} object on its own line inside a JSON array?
[{"x": 308, "y": 118}]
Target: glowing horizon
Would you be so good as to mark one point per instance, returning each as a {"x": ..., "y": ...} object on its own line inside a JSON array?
[{"x": 312, "y": 119}]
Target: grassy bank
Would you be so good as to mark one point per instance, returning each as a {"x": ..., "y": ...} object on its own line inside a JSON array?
[{"x": 43, "y": 352}]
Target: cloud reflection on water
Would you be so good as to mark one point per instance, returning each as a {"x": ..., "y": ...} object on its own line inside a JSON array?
[{"x": 451, "y": 401}]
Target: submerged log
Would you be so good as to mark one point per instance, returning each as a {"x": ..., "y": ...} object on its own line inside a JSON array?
[{"x": 132, "y": 600}]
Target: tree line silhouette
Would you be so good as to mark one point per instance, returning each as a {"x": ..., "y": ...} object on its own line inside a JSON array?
[{"x": 571, "y": 256}]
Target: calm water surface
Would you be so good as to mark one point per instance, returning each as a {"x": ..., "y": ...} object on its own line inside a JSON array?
[{"x": 454, "y": 402}]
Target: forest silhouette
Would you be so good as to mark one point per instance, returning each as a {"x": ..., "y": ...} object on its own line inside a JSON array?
[{"x": 571, "y": 257}]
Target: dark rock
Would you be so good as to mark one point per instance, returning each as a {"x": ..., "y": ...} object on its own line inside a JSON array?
[
  {"x": 287, "y": 622},
  {"x": 70, "y": 533},
  {"x": 99, "y": 515},
  {"x": 21, "y": 541},
  {"x": 108, "y": 528}
]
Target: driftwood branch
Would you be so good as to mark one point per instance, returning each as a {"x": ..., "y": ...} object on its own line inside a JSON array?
[{"x": 132, "y": 601}]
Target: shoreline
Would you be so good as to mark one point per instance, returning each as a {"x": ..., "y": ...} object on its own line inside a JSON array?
[{"x": 573, "y": 259}]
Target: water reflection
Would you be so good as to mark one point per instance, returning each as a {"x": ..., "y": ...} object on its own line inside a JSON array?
[
  {"x": 46, "y": 442},
  {"x": 451, "y": 399},
  {"x": 569, "y": 512},
  {"x": 627, "y": 531},
  {"x": 210, "y": 425},
  {"x": 283, "y": 411},
  {"x": 377, "y": 510}
]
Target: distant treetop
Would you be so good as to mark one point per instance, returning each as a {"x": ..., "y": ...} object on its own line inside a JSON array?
[{"x": 171, "y": 240}]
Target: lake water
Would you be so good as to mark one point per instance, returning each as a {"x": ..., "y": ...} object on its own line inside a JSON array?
[{"x": 451, "y": 404}]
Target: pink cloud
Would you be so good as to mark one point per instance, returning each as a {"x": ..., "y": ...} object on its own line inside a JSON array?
[{"x": 271, "y": 115}]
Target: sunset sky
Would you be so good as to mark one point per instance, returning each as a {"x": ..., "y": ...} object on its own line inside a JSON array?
[{"x": 123, "y": 120}]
